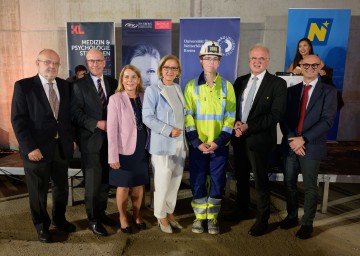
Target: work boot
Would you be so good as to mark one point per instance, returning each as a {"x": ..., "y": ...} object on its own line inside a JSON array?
[
  {"x": 213, "y": 227},
  {"x": 197, "y": 226}
]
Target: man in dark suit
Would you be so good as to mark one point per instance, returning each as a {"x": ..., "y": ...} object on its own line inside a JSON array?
[
  {"x": 310, "y": 114},
  {"x": 88, "y": 107},
  {"x": 260, "y": 100},
  {"x": 40, "y": 116}
]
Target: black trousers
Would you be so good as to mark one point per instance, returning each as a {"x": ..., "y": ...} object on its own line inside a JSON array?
[
  {"x": 38, "y": 176},
  {"x": 257, "y": 162},
  {"x": 96, "y": 170}
]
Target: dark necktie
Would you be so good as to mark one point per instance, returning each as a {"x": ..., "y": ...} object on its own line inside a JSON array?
[
  {"x": 53, "y": 100},
  {"x": 101, "y": 94},
  {"x": 303, "y": 104}
]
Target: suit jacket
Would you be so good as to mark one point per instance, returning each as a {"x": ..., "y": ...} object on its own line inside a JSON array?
[
  {"x": 319, "y": 117},
  {"x": 34, "y": 123},
  {"x": 87, "y": 110},
  {"x": 159, "y": 116},
  {"x": 121, "y": 124},
  {"x": 267, "y": 110}
]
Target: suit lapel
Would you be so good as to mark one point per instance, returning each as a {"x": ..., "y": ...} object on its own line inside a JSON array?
[
  {"x": 92, "y": 88},
  {"x": 41, "y": 93},
  {"x": 262, "y": 88},
  {"x": 127, "y": 103},
  {"x": 314, "y": 96},
  {"x": 241, "y": 90},
  {"x": 107, "y": 88}
]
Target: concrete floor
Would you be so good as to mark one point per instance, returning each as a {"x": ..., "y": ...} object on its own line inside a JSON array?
[{"x": 335, "y": 233}]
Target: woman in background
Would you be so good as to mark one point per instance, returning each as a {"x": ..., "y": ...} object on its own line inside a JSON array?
[
  {"x": 127, "y": 136},
  {"x": 163, "y": 113},
  {"x": 146, "y": 58},
  {"x": 304, "y": 48}
]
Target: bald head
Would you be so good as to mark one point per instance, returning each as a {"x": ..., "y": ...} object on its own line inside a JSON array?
[
  {"x": 95, "y": 61},
  {"x": 310, "y": 67},
  {"x": 48, "y": 63}
]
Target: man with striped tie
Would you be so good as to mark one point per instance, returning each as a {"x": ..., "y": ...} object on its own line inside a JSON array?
[
  {"x": 89, "y": 110},
  {"x": 40, "y": 116}
]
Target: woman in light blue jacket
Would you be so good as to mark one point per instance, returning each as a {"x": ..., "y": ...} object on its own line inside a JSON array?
[{"x": 164, "y": 113}]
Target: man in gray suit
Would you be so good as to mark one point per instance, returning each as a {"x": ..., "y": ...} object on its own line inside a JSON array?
[
  {"x": 89, "y": 108},
  {"x": 311, "y": 111}
]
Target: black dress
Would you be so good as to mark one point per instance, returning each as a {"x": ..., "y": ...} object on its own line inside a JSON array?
[{"x": 134, "y": 169}]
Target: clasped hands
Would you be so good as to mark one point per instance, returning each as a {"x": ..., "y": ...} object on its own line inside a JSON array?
[
  {"x": 297, "y": 144},
  {"x": 240, "y": 128},
  {"x": 208, "y": 147}
]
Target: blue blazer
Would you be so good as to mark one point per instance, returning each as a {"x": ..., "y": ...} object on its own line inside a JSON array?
[{"x": 319, "y": 118}]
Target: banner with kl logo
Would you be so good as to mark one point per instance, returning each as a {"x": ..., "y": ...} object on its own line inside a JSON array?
[
  {"x": 82, "y": 36},
  {"x": 328, "y": 30}
]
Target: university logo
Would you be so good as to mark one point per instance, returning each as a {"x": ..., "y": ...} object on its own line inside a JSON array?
[
  {"x": 318, "y": 30},
  {"x": 227, "y": 45}
]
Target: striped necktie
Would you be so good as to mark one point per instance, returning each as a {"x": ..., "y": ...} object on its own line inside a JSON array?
[
  {"x": 53, "y": 100},
  {"x": 101, "y": 94}
]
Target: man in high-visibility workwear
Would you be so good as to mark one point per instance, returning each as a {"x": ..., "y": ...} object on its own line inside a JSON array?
[{"x": 210, "y": 116}]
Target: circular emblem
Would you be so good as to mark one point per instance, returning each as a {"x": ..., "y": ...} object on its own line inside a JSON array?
[{"x": 227, "y": 45}]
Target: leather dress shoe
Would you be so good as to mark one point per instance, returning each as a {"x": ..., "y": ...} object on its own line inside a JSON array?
[
  {"x": 236, "y": 216},
  {"x": 98, "y": 229},
  {"x": 288, "y": 223},
  {"x": 107, "y": 221},
  {"x": 304, "y": 232},
  {"x": 258, "y": 229},
  {"x": 64, "y": 226},
  {"x": 141, "y": 225},
  {"x": 44, "y": 236},
  {"x": 127, "y": 230}
]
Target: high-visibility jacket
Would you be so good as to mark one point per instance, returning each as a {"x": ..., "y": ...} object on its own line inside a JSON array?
[{"x": 210, "y": 112}]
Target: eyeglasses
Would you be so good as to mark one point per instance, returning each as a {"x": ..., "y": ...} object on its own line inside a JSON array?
[
  {"x": 49, "y": 62},
  {"x": 211, "y": 59},
  {"x": 92, "y": 62},
  {"x": 307, "y": 65},
  {"x": 167, "y": 68},
  {"x": 259, "y": 59}
]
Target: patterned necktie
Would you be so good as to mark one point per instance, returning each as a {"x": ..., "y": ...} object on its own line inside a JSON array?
[
  {"x": 101, "y": 94},
  {"x": 249, "y": 100},
  {"x": 53, "y": 100},
  {"x": 304, "y": 101}
]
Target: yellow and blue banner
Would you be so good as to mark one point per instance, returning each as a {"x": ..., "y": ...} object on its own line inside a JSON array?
[
  {"x": 194, "y": 32},
  {"x": 328, "y": 30}
]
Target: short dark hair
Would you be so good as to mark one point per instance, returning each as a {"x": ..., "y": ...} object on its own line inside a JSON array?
[{"x": 80, "y": 68}]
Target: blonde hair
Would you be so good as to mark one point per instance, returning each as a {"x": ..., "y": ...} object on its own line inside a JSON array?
[
  {"x": 165, "y": 59},
  {"x": 139, "y": 88}
]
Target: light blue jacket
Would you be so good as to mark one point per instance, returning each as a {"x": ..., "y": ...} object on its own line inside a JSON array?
[{"x": 158, "y": 115}]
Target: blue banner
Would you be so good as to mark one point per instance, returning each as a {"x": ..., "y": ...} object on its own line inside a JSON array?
[
  {"x": 328, "y": 30},
  {"x": 195, "y": 31},
  {"x": 144, "y": 43},
  {"x": 82, "y": 36}
]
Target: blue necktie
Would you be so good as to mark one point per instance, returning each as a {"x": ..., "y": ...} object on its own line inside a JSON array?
[{"x": 249, "y": 100}]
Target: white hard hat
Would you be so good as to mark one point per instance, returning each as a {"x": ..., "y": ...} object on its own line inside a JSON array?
[{"x": 210, "y": 48}]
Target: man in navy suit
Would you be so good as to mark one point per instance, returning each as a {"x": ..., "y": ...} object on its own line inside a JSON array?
[
  {"x": 304, "y": 141},
  {"x": 45, "y": 137},
  {"x": 89, "y": 108},
  {"x": 260, "y": 105}
]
